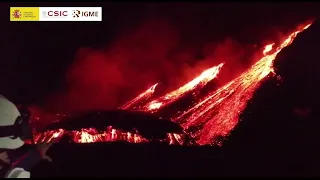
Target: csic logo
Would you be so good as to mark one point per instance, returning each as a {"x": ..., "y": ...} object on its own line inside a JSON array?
[
  {"x": 55, "y": 13},
  {"x": 78, "y": 13},
  {"x": 16, "y": 14}
]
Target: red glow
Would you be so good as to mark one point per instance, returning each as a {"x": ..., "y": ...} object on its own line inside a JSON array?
[
  {"x": 91, "y": 135},
  {"x": 141, "y": 97},
  {"x": 218, "y": 113},
  {"x": 210, "y": 117},
  {"x": 200, "y": 81}
]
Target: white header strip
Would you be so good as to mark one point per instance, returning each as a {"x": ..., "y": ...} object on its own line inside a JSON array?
[{"x": 70, "y": 13}]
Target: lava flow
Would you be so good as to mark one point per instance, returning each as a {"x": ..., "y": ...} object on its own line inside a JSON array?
[
  {"x": 91, "y": 135},
  {"x": 200, "y": 81},
  {"x": 218, "y": 113},
  {"x": 141, "y": 98}
]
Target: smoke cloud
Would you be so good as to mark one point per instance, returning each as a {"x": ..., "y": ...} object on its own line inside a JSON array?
[
  {"x": 154, "y": 52},
  {"x": 171, "y": 52}
]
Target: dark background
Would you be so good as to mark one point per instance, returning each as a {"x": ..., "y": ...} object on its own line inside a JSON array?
[
  {"x": 39, "y": 63},
  {"x": 37, "y": 56}
]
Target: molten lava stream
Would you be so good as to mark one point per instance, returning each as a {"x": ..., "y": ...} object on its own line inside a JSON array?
[
  {"x": 134, "y": 103},
  {"x": 48, "y": 136},
  {"x": 198, "y": 82},
  {"x": 91, "y": 135},
  {"x": 218, "y": 113}
]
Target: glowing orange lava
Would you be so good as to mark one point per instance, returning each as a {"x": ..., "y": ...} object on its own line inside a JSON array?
[
  {"x": 268, "y": 48},
  {"x": 91, "y": 135},
  {"x": 218, "y": 113},
  {"x": 134, "y": 103},
  {"x": 198, "y": 82}
]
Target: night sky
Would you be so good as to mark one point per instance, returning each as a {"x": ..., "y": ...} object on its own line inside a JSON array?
[{"x": 103, "y": 64}]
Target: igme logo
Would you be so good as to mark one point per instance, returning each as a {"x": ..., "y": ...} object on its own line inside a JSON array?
[{"x": 78, "y": 13}]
